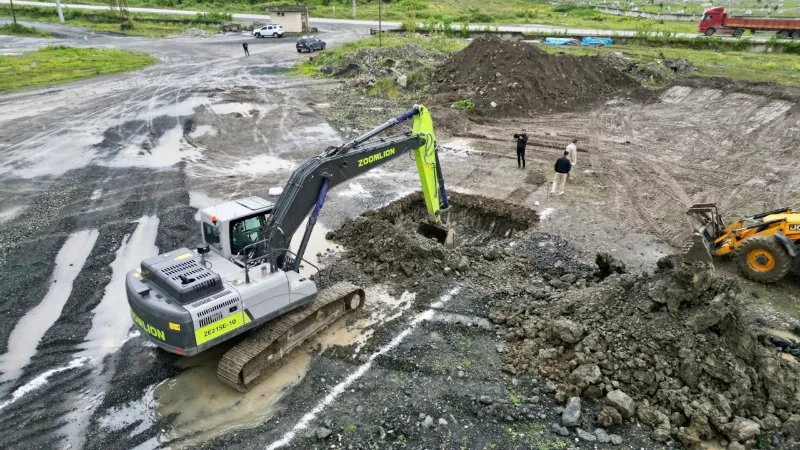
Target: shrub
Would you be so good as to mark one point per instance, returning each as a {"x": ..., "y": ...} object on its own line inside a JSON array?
[{"x": 463, "y": 105}]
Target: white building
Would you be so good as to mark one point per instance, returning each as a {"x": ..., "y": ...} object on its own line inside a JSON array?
[{"x": 294, "y": 19}]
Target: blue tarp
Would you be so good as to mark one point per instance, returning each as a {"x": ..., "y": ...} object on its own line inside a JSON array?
[
  {"x": 558, "y": 41},
  {"x": 595, "y": 42}
]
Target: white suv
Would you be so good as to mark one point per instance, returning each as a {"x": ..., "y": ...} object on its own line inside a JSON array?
[{"x": 275, "y": 31}]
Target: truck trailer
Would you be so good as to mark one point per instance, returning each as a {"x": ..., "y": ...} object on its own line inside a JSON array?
[{"x": 716, "y": 20}]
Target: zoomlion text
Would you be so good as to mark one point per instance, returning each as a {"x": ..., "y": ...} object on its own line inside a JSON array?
[{"x": 376, "y": 157}]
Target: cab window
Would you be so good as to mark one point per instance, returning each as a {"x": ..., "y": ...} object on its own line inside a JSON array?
[
  {"x": 211, "y": 235},
  {"x": 245, "y": 232}
]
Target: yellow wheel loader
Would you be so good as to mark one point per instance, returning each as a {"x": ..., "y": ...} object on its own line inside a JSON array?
[{"x": 766, "y": 246}]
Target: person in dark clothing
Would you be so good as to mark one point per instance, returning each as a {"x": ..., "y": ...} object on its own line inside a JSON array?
[
  {"x": 522, "y": 141},
  {"x": 246, "y": 51},
  {"x": 563, "y": 166}
]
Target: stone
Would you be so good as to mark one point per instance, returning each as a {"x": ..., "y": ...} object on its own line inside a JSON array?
[
  {"x": 486, "y": 400},
  {"x": 545, "y": 353},
  {"x": 585, "y": 375},
  {"x": 651, "y": 416},
  {"x": 706, "y": 320},
  {"x": 602, "y": 436},
  {"x": 622, "y": 402},
  {"x": 442, "y": 421},
  {"x": 572, "y": 412},
  {"x": 615, "y": 439},
  {"x": 322, "y": 432},
  {"x": 585, "y": 435},
  {"x": 792, "y": 426},
  {"x": 463, "y": 264},
  {"x": 497, "y": 317},
  {"x": 742, "y": 430},
  {"x": 428, "y": 422},
  {"x": 736, "y": 446},
  {"x": 402, "y": 80},
  {"x": 609, "y": 416},
  {"x": 771, "y": 422},
  {"x": 568, "y": 331},
  {"x": 569, "y": 278},
  {"x": 661, "y": 434}
]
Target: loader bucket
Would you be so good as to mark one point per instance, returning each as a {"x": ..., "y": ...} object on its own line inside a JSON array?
[
  {"x": 700, "y": 248},
  {"x": 445, "y": 236},
  {"x": 710, "y": 227}
]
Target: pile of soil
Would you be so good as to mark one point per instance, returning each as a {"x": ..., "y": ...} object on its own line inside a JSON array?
[
  {"x": 379, "y": 242},
  {"x": 659, "y": 72},
  {"x": 512, "y": 78},
  {"x": 669, "y": 348}
]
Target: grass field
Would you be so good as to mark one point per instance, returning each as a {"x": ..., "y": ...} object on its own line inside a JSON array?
[
  {"x": 53, "y": 65},
  {"x": 105, "y": 21},
  {"x": 737, "y": 65},
  {"x": 21, "y": 30}
]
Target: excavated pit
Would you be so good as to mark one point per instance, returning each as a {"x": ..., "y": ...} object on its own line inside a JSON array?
[{"x": 384, "y": 245}]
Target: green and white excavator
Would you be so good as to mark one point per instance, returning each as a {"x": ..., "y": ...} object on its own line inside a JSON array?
[{"x": 244, "y": 279}]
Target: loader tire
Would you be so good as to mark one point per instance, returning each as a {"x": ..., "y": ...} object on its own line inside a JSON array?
[
  {"x": 763, "y": 259},
  {"x": 796, "y": 263}
]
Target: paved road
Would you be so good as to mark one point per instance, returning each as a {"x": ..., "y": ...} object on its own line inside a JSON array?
[{"x": 387, "y": 24}]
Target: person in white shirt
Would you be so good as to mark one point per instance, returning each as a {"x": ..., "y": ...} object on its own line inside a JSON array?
[{"x": 572, "y": 155}]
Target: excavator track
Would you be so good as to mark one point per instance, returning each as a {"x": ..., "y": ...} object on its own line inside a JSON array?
[{"x": 249, "y": 361}]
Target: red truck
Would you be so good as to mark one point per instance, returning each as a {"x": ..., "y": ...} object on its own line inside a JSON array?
[{"x": 716, "y": 20}]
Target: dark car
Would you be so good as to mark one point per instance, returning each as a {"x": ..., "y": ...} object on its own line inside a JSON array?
[{"x": 309, "y": 44}]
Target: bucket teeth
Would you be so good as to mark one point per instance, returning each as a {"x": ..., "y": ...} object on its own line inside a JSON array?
[{"x": 698, "y": 249}]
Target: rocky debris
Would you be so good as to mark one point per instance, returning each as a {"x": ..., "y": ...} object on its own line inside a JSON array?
[
  {"x": 427, "y": 422},
  {"x": 672, "y": 350},
  {"x": 408, "y": 66},
  {"x": 516, "y": 78},
  {"x": 322, "y": 433},
  {"x": 585, "y": 435},
  {"x": 615, "y": 439},
  {"x": 602, "y": 436},
  {"x": 622, "y": 402},
  {"x": 608, "y": 265},
  {"x": 656, "y": 72},
  {"x": 195, "y": 33},
  {"x": 571, "y": 416}
]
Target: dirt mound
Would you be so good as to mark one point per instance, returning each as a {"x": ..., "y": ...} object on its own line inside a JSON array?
[
  {"x": 513, "y": 78},
  {"x": 669, "y": 348},
  {"x": 659, "y": 72},
  {"x": 195, "y": 33},
  {"x": 380, "y": 240}
]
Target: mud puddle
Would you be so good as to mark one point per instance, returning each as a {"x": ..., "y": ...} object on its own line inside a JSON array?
[
  {"x": 29, "y": 330},
  {"x": 205, "y": 408},
  {"x": 112, "y": 322}
]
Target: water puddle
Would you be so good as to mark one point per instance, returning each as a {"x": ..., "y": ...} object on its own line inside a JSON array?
[
  {"x": 182, "y": 108},
  {"x": 243, "y": 109},
  {"x": 263, "y": 164},
  {"x": 203, "y": 130},
  {"x": 317, "y": 245},
  {"x": 53, "y": 155},
  {"x": 111, "y": 321},
  {"x": 168, "y": 151},
  {"x": 41, "y": 380},
  {"x": 355, "y": 190},
  {"x": 11, "y": 213},
  {"x": 789, "y": 336},
  {"x": 31, "y": 327}
]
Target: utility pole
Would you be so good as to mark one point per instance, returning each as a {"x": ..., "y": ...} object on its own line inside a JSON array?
[
  {"x": 60, "y": 14},
  {"x": 354, "y": 9},
  {"x": 380, "y": 38},
  {"x": 14, "y": 14}
]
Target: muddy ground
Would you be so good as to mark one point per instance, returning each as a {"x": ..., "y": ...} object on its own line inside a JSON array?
[{"x": 113, "y": 170}]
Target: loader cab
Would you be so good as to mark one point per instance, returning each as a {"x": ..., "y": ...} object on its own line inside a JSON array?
[{"x": 229, "y": 227}]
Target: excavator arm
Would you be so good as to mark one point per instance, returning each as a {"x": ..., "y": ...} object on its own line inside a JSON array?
[{"x": 307, "y": 187}]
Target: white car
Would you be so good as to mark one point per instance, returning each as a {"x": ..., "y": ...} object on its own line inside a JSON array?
[{"x": 275, "y": 31}]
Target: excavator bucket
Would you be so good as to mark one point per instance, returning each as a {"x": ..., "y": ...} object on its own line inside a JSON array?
[
  {"x": 709, "y": 229},
  {"x": 445, "y": 236}
]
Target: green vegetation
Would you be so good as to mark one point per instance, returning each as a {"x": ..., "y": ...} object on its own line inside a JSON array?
[
  {"x": 438, "y": 43},
  {"x": 463, "y": 105},
  {"x": 738, "y": 65},
  {"x": 149, "y": 25},
  {"x": 15, "y": 29},
  {"x": 52, "y": 65},
  {"x": 444, "y": 12}
]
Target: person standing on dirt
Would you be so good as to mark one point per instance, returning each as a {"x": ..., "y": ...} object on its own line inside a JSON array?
[
  {"x": 246, "y": 51},
  {"x": 563, "y": 167},
  {"x": 522, "y": 141},
  {"x": 572, "y": 149}
]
